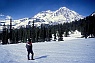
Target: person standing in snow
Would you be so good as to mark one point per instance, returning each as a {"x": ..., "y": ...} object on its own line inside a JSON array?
[{"x": 29, "y": 49}]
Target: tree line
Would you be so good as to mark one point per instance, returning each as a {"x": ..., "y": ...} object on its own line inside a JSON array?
[{"x": 44, "y": 33}]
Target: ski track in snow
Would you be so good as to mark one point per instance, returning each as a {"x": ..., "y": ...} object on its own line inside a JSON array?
[{"x": 78, "y": 50}]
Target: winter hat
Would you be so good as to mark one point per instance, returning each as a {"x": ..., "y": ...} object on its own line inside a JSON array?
[{"x": 29, "y": 40}]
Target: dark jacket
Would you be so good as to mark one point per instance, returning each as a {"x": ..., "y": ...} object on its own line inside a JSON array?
[{"x": 29, "y": 46}]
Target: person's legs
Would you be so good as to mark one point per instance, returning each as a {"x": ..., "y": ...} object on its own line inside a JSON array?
[
  {"x": 28, "y": 55},
  {"x": 32, "y": 55}
]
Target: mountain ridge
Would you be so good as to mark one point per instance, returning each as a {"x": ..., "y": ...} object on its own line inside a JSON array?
[{"x": 59, "y": 16}]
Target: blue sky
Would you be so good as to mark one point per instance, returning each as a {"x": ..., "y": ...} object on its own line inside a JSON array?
[{"x": 28, "y": 8}]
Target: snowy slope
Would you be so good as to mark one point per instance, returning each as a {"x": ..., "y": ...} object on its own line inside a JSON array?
[{"x": 78, "y": 50}]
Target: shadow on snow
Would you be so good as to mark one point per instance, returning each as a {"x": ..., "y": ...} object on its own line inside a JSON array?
[{"x": 45, "y": 56}]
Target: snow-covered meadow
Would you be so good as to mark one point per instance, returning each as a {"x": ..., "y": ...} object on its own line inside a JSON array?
[{"x": 75, "y": 50}]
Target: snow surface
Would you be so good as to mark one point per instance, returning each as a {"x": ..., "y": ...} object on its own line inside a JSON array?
[{"x": 76, "y": 50}]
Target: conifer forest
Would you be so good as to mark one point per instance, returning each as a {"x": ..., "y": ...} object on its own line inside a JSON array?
[{"x": 44, "y": 32}]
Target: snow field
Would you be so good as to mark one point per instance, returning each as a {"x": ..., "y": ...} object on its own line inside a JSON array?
[{"x": 78, "y": 50}]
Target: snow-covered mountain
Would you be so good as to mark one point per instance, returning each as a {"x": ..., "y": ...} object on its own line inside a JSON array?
[{"x": 61, "y": 15}]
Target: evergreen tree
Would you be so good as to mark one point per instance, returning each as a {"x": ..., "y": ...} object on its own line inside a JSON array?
[
  {"x": 60, "y": 33},
  {"x": 10, "y": 30},
  {"x": 5, "y": 35},
  {"x": 17, "y": 36},
  {"x": 37, "y": 34},
  {"x": 54, "y": 34},
  {"x": 66, "y": 33},
  {"x": 42, "y": 33},
  {"x": 33, "y": 32},
  {"x": 50, "y": 34}
]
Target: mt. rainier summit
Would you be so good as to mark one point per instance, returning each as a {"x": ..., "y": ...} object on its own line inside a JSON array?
[{"x": 61, "y": 15}]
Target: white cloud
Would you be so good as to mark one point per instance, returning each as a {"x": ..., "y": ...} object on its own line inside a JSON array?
[{"x": 1, "y": 15}]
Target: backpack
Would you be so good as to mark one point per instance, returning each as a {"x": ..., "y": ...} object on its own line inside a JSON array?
[{"x": 27, "y": 46}]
